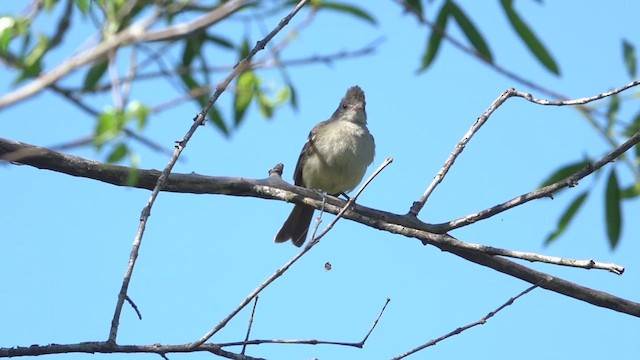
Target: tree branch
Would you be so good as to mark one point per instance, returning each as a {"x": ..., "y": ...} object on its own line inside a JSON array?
[
  {"x": 277, "y": 189},
  {"x": 103, "y": 347},
  {"x": 135, "y": 32}
]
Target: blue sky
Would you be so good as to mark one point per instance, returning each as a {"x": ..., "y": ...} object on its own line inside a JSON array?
[{"x": 66, "y": 241}]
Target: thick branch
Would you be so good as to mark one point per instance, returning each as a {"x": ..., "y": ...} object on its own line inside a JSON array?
[
  {"x": 275, "y": 188},
  {"x": 99, "y": 347}
]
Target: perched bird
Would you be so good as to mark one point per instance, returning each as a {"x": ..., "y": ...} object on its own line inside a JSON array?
[{"x": 334, "y": 160}]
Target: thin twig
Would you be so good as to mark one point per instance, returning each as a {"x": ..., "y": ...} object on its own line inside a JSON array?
[
  {"x": 375, "y": 323},
  {"x": 546, "y": 191},
  {"x": 418, "y": 205},
  {"x": 180, "y": 145},
  {"x": 581, "y": 101},
  {"x": 350, "y": 202},
  {"x": 134, "y": 306},
  {"x": 359, "y": 344},
  {"x": 286, "y": 266},
  {"x": 466, "y": 327},
  {"x": 135, "y": 32},
  {"x": 586, "y": 111},
  {"x": 253, "y": 312}
]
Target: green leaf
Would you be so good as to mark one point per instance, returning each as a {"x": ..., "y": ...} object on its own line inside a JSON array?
[
  {"x": 83, "y": 5},
  {"x": 415, "y": 7},
  {"x": 109, "y": 126},
  {"x": 29, "y": 72},
  {"x": 633, "y": 127},
  {"x": 564, "y": 172},
  {"x": 49, "y": 4},
  {"x": 138, "y": 111},
  {"x": 36, "y": 54},
  {"x": 118, "y": 153},
  {"x": 349, "y": 9},
  {"x": 192, "y": 48},
  {"x": 529, "y": 38},
  {"x": 265, "y": 106},
  {"x": 567, "y": 217},
  {"x": 612, "y": 210},
  {"x": 218, "y": 121},
  {"x": 94, "y": 75},
  {"x": 630, "y": 60},
  {"x": 7, "y": 31},
  {"x": 433, "y": 45},
  {"x": 631, "y": 191},
  {"x": 293, "y": 98},
  {"x": 244, "y": 49},
  {"x": 612, "y": 112},
  {"x": 189, "y": 81},
  {"x": 470, "y": 31},
  {"x": 220, "y": 41},
  {"x": 246, "y": 88},
  {"x": 133, "y": 174}
]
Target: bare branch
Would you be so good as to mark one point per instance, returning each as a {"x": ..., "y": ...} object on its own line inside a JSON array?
[
  {"x": 104, "y": 347},
  {"x": 134, "y": 306},
  {"x": 275, "y": 173},
  {"x": 359, "y": 344},
  {"x": 546, "y": 191},
  {"x": 180, "y": 145},
  {"x": 182, "y": 30},
  {"x": 275, "y": 188},
  {"x": 133, "y": 33},
  {"x": 581, "y": 101},
  {"x": 253, "y": 312},
  {"x": 466, "y": 327},
  {"x": 268, "y": 189},
  {"x": 418, "y": 205}
]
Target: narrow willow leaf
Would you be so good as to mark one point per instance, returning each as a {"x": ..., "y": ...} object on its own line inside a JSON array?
[
  {"x": 613, "y": 210},
  {"x": 471, "y": 32},
  {"x": 139, "y": 112},
  {"x": 133, "y": 175},
  {"x": 564, "y": 172},
  {"x": 529, "y": 38},
  {"x": 612, "y": 112},
  {"x": 245, "y": 91},
  {"x": 433, "y": 45},
  {"x": 83, "y": 5},
  {"x": 630, "y": 61},
  {"x": 218, "y": 121},
  {"x": 220, "y": 41},
  {"x": 350, "y": 10},
  {"x": 631, "y": 191},
  {"x": 118, "y": 153},
  {"x": 567, "y": 217},
  {"x": 94, "y": 75},
  {"x": 192, "y": 48},
  {"x": 633, "y": 127},
  {"x": 415, "y": 6},
  {"x": 7, "y": 31}
]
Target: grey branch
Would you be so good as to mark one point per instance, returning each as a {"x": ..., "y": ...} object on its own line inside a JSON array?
[
  {"x": 418, "y": 205},
  {"x": 466, "y": 327},
  {"x": 133, "y": 33},
  {"x": 277, "y": 189},
  {"x": 103, "y": 347}
]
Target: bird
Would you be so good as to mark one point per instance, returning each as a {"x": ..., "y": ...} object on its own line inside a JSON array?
[{"x": 333, "y": 160}]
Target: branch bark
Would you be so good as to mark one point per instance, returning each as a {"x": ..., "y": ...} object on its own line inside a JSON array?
[{"x": 275, "y": 188}]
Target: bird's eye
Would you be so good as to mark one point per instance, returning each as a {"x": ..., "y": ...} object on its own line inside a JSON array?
[{"x": 344, "y": 106}]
